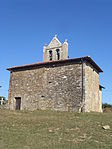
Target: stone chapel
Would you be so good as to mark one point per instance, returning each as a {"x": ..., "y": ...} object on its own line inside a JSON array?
[{"x": 57, "y": 83}]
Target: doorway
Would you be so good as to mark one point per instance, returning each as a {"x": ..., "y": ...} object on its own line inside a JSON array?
[{"x": 18, "y": 103}]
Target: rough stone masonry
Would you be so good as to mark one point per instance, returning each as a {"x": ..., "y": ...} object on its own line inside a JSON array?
[{"x": 58, "y": 83}]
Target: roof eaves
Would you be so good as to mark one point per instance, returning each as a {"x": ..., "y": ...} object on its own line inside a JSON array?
[
  {"x": 87, "y": 58},
  {"x": 101, "y": 86}
]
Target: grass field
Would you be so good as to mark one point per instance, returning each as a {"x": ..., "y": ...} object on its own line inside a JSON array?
[{"x": 54, "y": 130}]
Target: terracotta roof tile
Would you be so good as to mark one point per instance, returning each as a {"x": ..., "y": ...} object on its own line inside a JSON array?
[{"x": 86, "y": 58}]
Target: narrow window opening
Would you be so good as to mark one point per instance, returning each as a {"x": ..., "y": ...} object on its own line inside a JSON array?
[
  {"x": 58, "y": 54},
  {"x": 18, "y": 103},
  {"x": 42, "y": 96},
  {"x": 50, "y": 82},
  {"x": 50, "y": 55}
]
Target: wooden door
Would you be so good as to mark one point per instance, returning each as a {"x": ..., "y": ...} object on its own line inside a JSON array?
[{"x": 18, "y": 103}]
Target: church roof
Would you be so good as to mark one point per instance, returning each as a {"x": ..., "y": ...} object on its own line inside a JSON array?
[{"x": 42, "y": 64}]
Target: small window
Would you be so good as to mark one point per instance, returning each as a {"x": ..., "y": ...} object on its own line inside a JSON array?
[
  {"x": 50, "y": 55},
  {"x": 58, "y": 54}
]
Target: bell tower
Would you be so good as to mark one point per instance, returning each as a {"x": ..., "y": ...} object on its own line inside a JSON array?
[{"x": 55, "y": 50}]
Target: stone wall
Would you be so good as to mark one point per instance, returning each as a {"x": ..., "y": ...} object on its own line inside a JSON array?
[
  {"x": 56, "y": 87},
  {"x": 100, "y": 100},
  {"x": 92, "y": 97}
]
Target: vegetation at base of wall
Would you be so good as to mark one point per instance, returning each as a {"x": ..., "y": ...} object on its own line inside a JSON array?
[
  {"x": 107, "y": 107},
  {"x": 54, "y": 130}
]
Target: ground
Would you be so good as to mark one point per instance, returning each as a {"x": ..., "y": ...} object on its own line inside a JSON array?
[{"x": 54, "y": 130}]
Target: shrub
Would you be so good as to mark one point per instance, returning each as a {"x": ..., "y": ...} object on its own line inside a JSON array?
[{"x": 106, "y": 105}]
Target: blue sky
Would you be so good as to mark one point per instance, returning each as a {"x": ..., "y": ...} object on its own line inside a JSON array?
[{"x": 26, "y": 25}]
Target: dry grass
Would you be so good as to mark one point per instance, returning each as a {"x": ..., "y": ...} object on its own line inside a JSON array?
[{"x": 54, "y": 130}]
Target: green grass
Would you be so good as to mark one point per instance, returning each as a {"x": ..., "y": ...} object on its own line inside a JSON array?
[{"x": 54, "y": 130}]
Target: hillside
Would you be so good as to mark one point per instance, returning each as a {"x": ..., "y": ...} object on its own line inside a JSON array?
[{"x": 54, "y": 130}]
